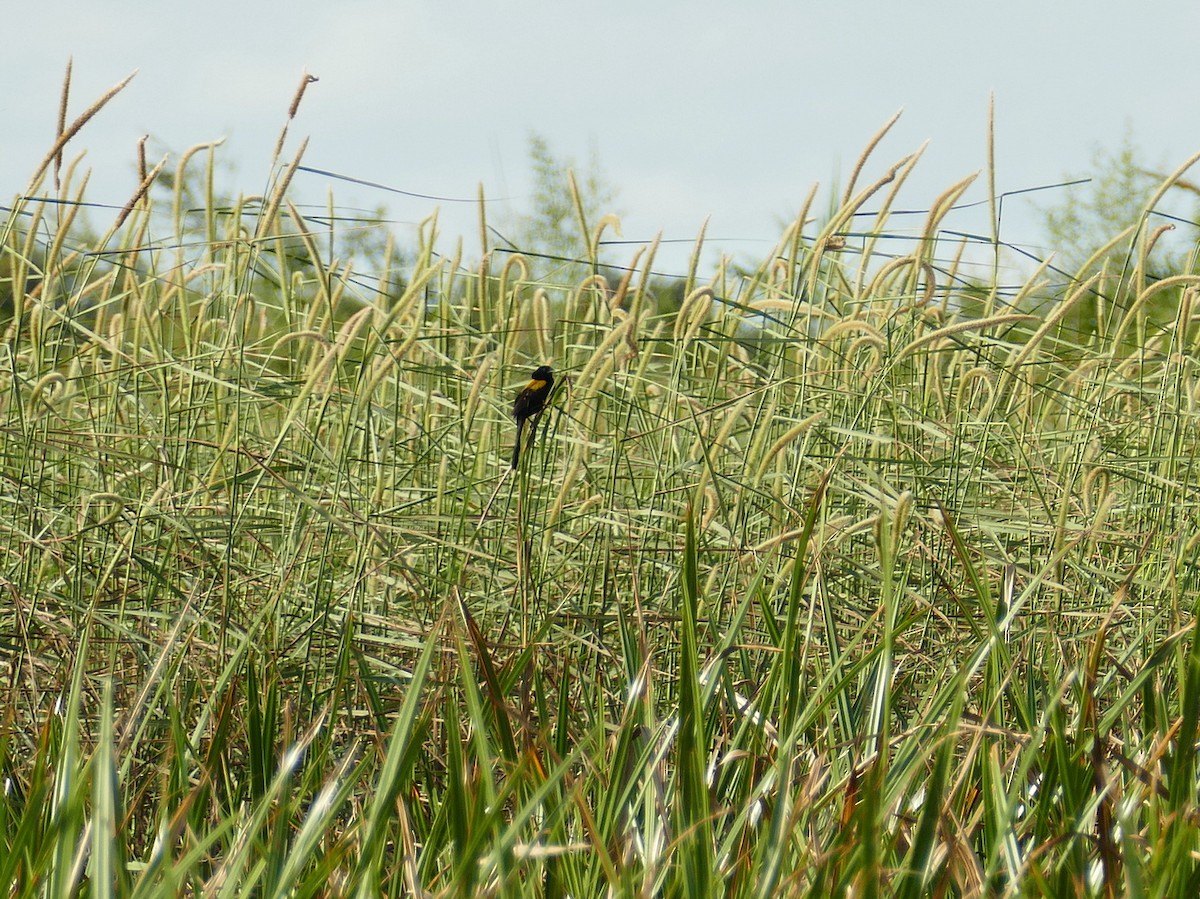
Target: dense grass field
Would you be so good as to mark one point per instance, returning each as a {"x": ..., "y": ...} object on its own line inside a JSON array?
[{"x": 842, "y": 574}]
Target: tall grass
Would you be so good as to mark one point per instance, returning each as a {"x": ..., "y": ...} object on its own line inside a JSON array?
[{"x": 836, "y": 579}]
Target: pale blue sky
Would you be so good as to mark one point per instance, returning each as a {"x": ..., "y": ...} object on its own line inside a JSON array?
[{"x": 695, "y": 109}]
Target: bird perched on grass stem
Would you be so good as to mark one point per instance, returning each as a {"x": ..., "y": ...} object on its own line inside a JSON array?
[{"x": 530, "y": 402}]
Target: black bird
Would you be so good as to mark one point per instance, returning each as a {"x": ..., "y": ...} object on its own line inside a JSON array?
[{"x": 530, "y": 402}]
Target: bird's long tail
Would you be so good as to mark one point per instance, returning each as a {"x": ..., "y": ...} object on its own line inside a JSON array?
[{"x": 517, "y": 446}]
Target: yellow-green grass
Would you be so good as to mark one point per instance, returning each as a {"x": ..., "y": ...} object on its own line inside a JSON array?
[{"x": 849, "y": 574}]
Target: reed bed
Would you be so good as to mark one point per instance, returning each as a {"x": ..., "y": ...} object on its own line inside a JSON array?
[{"x": 852, "y": 573}]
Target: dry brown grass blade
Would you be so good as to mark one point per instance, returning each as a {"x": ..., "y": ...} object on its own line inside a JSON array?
[
  {"x": 272, "y": 208},
  {"x": 293, "y": 108},
  {"x": 874, "y": 142},
  {"x": 71, "y": 130},
  {"x": 62, "y": 118}
]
